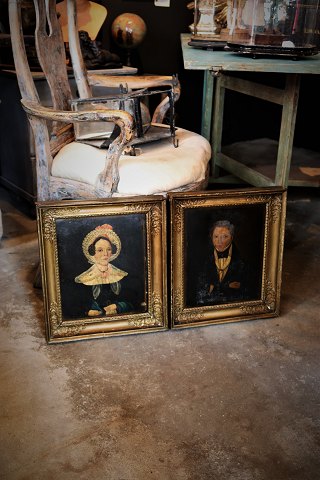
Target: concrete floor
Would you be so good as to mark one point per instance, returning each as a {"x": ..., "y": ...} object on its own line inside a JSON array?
[{"x": 236, "y": 401}]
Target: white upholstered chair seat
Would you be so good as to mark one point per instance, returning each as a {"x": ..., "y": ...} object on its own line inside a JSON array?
[{"x": 159, "y": 168}]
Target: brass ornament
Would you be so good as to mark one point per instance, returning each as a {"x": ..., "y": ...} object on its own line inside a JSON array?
[
  {"x": 48, "y": 228},
  {"x": 156, "y": 223},
  {"x": 275, "y": 209}
]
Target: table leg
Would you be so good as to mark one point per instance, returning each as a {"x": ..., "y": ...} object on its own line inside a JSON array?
[
  {"x": 217, "y": 124},
  {"x": 288, "y": 121},
  {"x": 287, "y": 98},
  {"x": 207, "y": 102}
]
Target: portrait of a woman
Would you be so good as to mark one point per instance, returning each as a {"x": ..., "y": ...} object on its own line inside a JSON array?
[{"x": 107, "y": 282}]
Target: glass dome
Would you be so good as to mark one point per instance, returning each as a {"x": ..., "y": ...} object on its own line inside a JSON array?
[{"x": 274, "y": 27}]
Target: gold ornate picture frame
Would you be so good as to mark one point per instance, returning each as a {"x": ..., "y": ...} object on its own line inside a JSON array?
[
  {"x": 232, "y": 281},
  {"x": 103, "y": 266}
]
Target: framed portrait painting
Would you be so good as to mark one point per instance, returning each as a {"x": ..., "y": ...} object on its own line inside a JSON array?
[
  {"x": 226, "y": 255},
  {"x": 103, "y": 266}
]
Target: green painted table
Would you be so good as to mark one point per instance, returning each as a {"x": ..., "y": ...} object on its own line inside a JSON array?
[{"x": 217, "y": 66}]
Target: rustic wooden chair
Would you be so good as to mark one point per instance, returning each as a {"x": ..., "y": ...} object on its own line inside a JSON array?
[{"x": 68, "y": 168}]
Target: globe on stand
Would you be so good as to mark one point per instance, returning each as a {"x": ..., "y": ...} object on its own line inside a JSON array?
[{"x": 128, "y": 31}]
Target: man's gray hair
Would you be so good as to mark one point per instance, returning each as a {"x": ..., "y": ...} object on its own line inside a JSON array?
[{"x": 222, "y": 223}]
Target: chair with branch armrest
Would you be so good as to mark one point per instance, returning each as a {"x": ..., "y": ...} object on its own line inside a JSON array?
[{"x": 69, "y": 168}]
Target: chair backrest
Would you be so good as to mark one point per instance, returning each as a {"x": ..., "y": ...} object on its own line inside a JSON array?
[
  {"x": 78, "y": 65},
  {"x": 55, "y": 129},
  {"x": 52, "y": 59},
  {"x": 51, "y": 56}
]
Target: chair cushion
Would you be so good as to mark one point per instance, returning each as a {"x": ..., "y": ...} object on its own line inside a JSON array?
[{"x": 159, "y": 168}]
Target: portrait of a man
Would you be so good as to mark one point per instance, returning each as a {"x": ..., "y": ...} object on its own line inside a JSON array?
[
  {"x": 223, "y": 251},
  {"x": 226, "y": 255},
  {"x": 224, "y": 277}
]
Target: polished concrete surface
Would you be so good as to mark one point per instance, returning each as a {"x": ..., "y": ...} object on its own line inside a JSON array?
[{"x": 237, "y": 401}]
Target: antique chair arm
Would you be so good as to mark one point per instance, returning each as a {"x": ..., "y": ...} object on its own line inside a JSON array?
[
  {"x": 120, "y": 117},
  {"x": 109, "y": 177}
]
